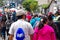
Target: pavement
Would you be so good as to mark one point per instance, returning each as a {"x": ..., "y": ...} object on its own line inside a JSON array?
[
  {"x": 5, "y": 36},
  {"x": 0, "y": 38}
]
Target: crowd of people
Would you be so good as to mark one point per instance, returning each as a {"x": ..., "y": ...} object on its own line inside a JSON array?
[{"x": 24, "y": 25}]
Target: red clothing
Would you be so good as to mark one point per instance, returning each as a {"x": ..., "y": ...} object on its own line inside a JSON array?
[
  {"x": 1, "y": 14},
  {"x": 28, "y": 17}
]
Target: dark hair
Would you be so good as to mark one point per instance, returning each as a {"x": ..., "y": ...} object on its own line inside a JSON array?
[
  {"x": 41, "y": 24},
  {"x": 21, "y": 16},
  {"x": 35, "y": 16},
  {"x": 50, "y": 18}
]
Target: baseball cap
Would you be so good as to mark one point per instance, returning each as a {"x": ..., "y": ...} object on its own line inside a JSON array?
[{"x": 20, "y": 12}]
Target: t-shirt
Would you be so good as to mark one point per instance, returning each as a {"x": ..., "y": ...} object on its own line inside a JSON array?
[{"x": 25, "y": 26}]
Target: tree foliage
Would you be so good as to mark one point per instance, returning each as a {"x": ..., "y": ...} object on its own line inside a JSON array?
[
  {"x": 45, "y": 6},
  {"x": 30, "y": 5},
  {"x": 1, "y": 3}
]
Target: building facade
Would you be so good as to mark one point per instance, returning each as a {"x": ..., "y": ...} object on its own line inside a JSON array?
[
  {"x": 54, "y": 6},
  {"x": 40, "y": 2}
]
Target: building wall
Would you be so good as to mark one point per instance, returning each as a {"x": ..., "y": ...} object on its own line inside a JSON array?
[
  {"x": 58, "y": 2},
  {"x": 54, "y": 6},
  {"x": 40, "y": 2},
  {"x": 51, "y": 9}
]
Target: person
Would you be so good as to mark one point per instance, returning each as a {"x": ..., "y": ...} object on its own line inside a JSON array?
[
  {"x": 35, "y": 20},
  {"x": 8, "y": 22},
  {"x": 14, "y": 16},
  {"x": 28, "y": 16},
  {"x": 44, "y": 31},
  {"x": 21, "y": 29},
  {"x": 0, "y": 21},
  {"x": 50, "y": 13},
  {"x": 53, "y": 25},
  {"x": 3, "y": 29}
]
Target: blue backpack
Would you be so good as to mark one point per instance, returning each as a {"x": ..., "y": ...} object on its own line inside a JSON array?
[
  {"x": 20, "y": 35},
  {"x": 37, "y": 20}
]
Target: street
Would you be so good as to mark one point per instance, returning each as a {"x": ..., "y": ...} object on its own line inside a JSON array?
[
  {"x": 0, "y": 38},
  {"x": 5, "y": 37}
]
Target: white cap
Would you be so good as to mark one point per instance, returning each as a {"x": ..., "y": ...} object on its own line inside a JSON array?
[{"x": 20, "y": 12}]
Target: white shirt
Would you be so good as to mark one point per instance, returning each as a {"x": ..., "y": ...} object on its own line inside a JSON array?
[{"x": 27, "y": 28}]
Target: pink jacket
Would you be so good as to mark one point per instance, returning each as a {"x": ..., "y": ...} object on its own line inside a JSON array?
[{"x": 46, "y": 33}]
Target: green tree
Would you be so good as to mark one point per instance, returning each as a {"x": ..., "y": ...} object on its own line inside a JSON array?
[
  {"x": 45, "y": 6},
  {"x": 30, "y": 5},
  {"x": 1, "y": 3}
]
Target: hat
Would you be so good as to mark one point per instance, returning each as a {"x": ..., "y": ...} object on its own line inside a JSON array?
[{"x": 20, "y": 12}]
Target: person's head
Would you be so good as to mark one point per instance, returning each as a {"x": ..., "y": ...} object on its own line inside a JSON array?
[
  {"x": 50, "y": 13},
  {"x": 50, "y": 18},
  {"x": 35, "y": 16},
  {"x": 43, "y": 21},
  {"x": 21, "y": 14}
]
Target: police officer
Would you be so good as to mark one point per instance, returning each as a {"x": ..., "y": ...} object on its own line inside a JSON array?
[{"x": 21, "y": 30}]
